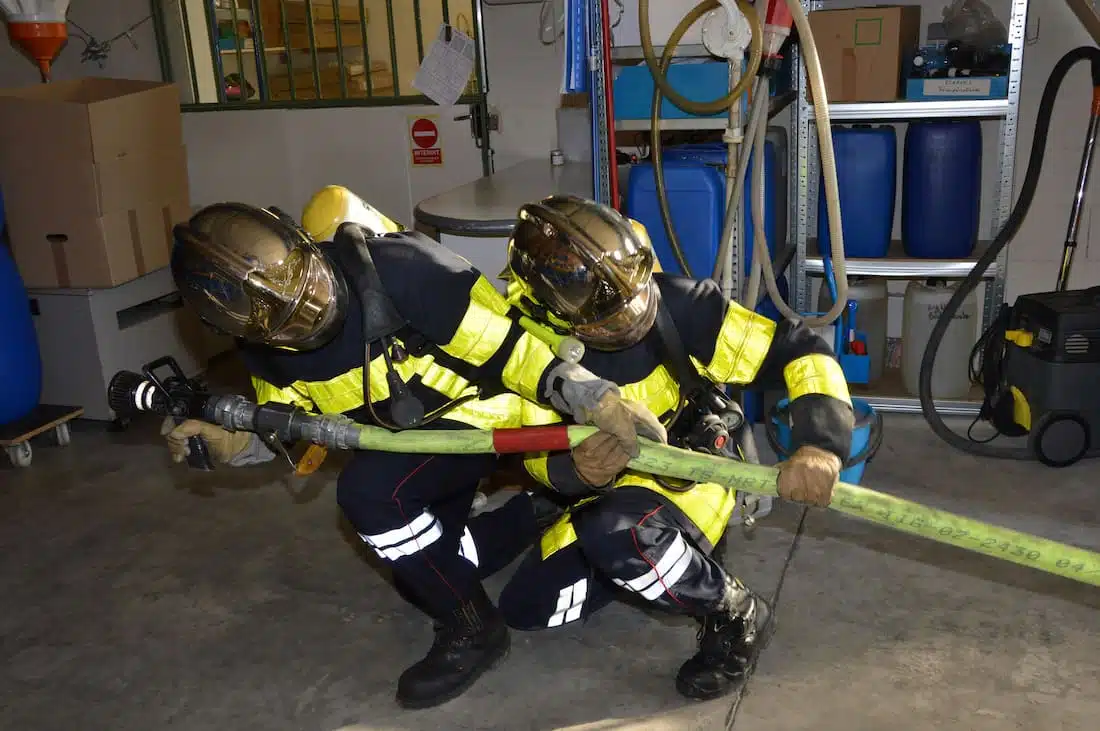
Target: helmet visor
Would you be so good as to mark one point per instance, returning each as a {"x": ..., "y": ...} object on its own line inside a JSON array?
[
  {"x": 254, "y": 276},
  {"x": 624, "y": 327}
]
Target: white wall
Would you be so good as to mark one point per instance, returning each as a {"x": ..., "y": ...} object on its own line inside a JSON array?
[{"x": 524, "y": 83}]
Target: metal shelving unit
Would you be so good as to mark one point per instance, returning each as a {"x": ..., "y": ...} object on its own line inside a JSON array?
[{"x": 804, "y": 174}]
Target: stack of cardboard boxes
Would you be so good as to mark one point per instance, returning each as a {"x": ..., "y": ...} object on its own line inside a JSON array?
[{"x": 93, "y": 173}]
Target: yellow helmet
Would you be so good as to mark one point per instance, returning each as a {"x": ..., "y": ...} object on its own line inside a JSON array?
[{"x": 333, "y": 205}]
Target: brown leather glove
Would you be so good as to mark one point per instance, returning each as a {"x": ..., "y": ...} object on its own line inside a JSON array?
[
  {"x": 223, "y": 445},
  {"x": 808, "y": 476},
  {"x": 626, "y": 421},
  {"x": 599, "y": 459}
]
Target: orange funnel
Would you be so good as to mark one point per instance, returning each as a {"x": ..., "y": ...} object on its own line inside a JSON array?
[{"x": 41, "y": 41}]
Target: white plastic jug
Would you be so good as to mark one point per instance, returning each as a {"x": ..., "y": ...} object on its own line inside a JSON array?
[
  {"x": 871, "y": 316},
  {"x": 925, "y": 302}
]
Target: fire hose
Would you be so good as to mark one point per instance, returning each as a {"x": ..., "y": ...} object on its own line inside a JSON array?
[{"x": 130, "y": 393}]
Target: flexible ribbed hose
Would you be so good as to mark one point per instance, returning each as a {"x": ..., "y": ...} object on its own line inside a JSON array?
[
  {"x": 658, "y": 68},
  {"x": 761, "y": 262},
  {"x": 693, "y": 106}
]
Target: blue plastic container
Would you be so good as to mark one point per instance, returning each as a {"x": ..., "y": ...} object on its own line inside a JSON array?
[
  {"x": 941, "y": 194},
  {"x": 20, "y": 362},
  {"x": 696, "y": 201},
  {"x": 866, "y": 438},
  {"x": 715, "y": 154},
  {"x": 709, "y": 160},
  {"x": 866, "y": 172},
  {"x": 632, "y": 89}
]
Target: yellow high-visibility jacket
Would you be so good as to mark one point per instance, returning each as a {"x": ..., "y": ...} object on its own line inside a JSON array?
[
  {"x": 460, "y": 341},
  {"x": 727, "y": 344}
]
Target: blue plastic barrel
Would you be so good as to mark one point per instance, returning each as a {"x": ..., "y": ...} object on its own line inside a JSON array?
[
  {"x": 20, "y": 362},
  {"x": 941, "y": 194},
  {"x": 715, "y": 154},
  {"x": 866, "y": 172},
  {"x": 696, "y": 202},
  {"x": 642, "y": 203},
  {"x": 866, "y": 438}
]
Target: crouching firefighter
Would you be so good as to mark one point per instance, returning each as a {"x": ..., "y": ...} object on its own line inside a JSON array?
[
  {"x": 392, "y": 329},
  {"x": 668, "y": 341}
]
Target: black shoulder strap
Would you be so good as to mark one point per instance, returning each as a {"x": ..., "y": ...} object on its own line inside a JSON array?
[
  {"x": 676, "y": 354},
  {"x": 380, "y": 317}
]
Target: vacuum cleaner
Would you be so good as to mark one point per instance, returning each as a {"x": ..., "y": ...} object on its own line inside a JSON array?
[{"x": 1039, "y": 362}]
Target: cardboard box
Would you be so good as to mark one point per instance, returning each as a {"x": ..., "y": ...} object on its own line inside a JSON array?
[
  {"x": 94, "y": 173},
  {"x": 87, "y": 120},
  {"x": 862, "y": 50},
  {"x": 100, "y": 251}
]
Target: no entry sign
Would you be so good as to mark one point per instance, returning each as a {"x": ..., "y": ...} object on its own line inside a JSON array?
[{"x": 424, "y": 135}]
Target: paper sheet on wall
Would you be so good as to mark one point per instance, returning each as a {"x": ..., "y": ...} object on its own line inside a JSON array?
[{"x": 445, "y": 71}]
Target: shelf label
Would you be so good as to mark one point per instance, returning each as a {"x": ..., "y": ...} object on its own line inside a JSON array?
[
  {"x": 424, "y": 140},
  {"x": 965, "y": 87}
]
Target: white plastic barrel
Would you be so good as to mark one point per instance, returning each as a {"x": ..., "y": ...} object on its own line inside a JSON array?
[
  {"x": 871, "y": 316},
  {"x": 925, "y": 302}
]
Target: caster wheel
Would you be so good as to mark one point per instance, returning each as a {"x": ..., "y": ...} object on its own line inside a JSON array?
[
  {"x": 120, "y": 424},
  {"x": 20, "y": 454},
  {"x": 1062, "y": 440},
  {"x": 63, "y": 434}
]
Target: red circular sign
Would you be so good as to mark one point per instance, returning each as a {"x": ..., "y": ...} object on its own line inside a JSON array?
[{"x": 424, "y": 133}]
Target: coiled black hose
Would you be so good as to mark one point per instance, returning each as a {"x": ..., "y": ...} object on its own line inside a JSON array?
[{"x": 1006, "y": 234}]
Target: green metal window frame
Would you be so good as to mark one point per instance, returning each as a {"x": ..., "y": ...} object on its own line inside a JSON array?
[{"x": 161, "y": 27}]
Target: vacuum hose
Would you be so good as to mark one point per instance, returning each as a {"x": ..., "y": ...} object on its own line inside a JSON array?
[{"x": 1006, "y": 234}]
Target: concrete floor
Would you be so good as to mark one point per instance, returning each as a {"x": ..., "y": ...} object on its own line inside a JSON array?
[{"x": 139, "y": 595}]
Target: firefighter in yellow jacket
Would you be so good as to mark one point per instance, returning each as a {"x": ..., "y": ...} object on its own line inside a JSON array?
[
  {"x": 389, "y": 328},
  {"x": 667, "y": 341}
]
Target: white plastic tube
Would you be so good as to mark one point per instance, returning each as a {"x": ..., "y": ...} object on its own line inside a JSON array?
[{"x": 761, "y": 262}]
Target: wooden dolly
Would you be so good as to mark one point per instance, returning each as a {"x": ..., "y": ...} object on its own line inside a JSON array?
[{"x": 16, "y": 437}]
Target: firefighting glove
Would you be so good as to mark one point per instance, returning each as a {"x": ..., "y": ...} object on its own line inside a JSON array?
[
  {"x": 574, "y": 390},
  {"x": 809, "y": 476},
  {"x": 224, "y": 446},
  {"x": 599, "y": 459}
]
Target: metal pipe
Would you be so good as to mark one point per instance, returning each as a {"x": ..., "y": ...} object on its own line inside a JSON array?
[
  {"x": 259, "y": 49},
  {"x": 1083, "y": 176},
  {"x": 312, "y": 47},
  {"x": 339, "y": 49},
  {"x": 419, "y": 32},
  {"x": 366, "y": 47},
  {"x": 393, "y": 48},
  {"x": 215, "y": 51},
  {"x": 289, "y": 52},
  {"x": 236, "y": 18}
]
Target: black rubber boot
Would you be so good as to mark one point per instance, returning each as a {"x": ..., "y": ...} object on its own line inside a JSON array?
[
  {"x": 730, "y": 641},
  {"x": 467, "y": 643}
]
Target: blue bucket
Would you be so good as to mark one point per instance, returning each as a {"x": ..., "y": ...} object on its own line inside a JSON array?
[{"x": 866, "y": 437}]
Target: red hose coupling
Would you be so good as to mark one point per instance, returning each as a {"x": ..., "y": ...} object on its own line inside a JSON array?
[{"x": 531, "y": 439}]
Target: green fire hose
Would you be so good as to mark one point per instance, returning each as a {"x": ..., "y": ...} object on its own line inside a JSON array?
[
  {"x": 130, "y": 393},
  {"x": 1069, "y": 562}
]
